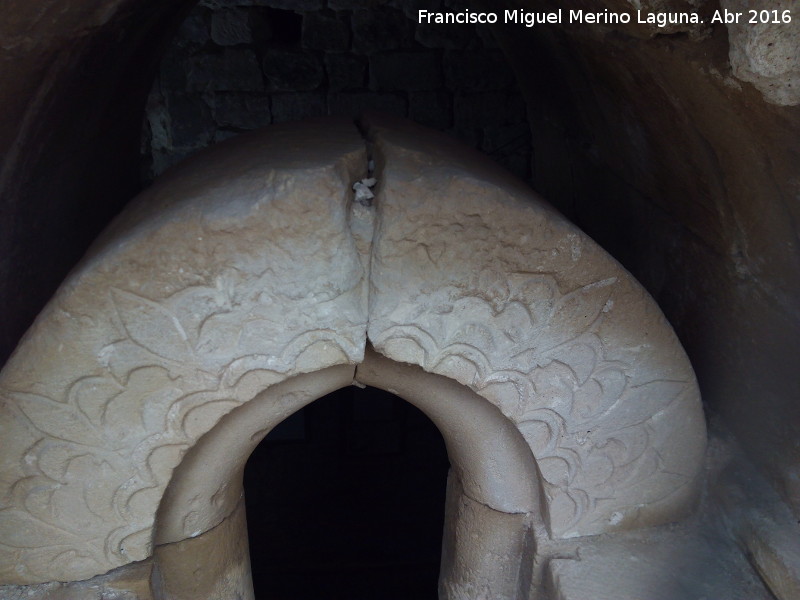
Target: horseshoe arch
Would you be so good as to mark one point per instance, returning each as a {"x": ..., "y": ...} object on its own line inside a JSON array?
[{"x": 249, "y": 270}]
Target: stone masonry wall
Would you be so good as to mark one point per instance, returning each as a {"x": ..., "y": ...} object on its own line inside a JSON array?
[{"x": 236, "y": 65}]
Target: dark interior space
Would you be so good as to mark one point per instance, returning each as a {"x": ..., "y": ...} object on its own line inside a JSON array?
[{"x": 345, "y": 500}]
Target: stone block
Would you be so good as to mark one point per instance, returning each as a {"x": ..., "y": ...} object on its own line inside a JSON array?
[
  {"x": 173, "y": 69},
  {"x": 433, "y": 109},
  {"x": 241, "y": 111},
  {"x": 406, "y": 71},
  {"x": 377, "y": 30},
  {"x": 488, "y": 109},
  {"x": 292, "y": 70},
  {"x": 477, "y": 70},
  {"x": 256, "y": 229},
  {"x": 213, "y": 565},
  {"x": 191, "y": 126},
  {"x": 193, "y": 30},
  {"x": 355, "y": 103},
  {"x": 484, "y": 551},
  {"x": 232, "y": 69},
  {"x": 297, "y": 106},
  {"x": 230, "y": 27},
  {"x": 345, "y": 71},
  {"x": 325, "y": 31},
  {"x": 158, "y": 121}
]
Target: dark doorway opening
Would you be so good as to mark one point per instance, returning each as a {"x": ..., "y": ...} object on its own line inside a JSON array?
[{"x": 345, "y": 500}]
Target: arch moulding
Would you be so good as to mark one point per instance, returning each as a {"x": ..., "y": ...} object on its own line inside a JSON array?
[{"x": 251, "y": 264}]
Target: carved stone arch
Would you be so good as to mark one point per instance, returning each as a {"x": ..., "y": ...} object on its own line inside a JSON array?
[
  {"x": 249, "y": 265},
  {"x": 493, "y": 476}
]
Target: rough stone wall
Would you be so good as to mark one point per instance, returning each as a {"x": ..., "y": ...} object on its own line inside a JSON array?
[{"x": 237, "y": 65}]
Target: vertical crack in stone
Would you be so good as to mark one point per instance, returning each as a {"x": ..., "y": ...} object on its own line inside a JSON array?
[{"x": 364, "y": 215}]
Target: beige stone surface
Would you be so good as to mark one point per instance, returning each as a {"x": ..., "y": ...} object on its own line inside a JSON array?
[
  {"x": 489, "y": 457},
  {"x": 475, "y": 278},
  {"x": 565, "y": 398},
  {"x": 129, "y": 582},
  {"x": 765, "y": 48},
  {"x": 659, "y": 564},
  {"x": 233, "y": 273},
  {"x": 485, "y": 553},
  {"x": 207, "y": 486},
  {"x": 213, "y": 565}
]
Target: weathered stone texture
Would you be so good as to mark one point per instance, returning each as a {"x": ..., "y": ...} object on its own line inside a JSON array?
[
  {"x": 240, "y": 111},
  {"x": 178, "y": 317},
  {"x": 325, "y": 32},
  {"x": 515, "y": 303},
  {"x": 230, "y": 27},
  {"x": 374, "y": 31},
  {"x": 292, "y": 70},
  {"x": 767, "y": 54},
  {"x": 345, "y": 71},
  {"x": 233, "y": 69},
  {"x": 407, "y": 71},
  {"x": 362, "y": 48},
  {"x": 246, "y": 266}
]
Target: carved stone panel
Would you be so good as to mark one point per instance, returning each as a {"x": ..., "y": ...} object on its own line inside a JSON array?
[
  {"x": 475, "y": 278},
  {"x": 233, "y": 273},
  {"x": 252, "y": 263}
]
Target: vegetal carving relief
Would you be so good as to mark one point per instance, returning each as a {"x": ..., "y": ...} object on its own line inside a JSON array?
[
  {"x": 169, "y": 371},
  {"x": 574, "y": 402},
  {"x": 115, "y": 382},
  {"x": 501, "y": 308}
]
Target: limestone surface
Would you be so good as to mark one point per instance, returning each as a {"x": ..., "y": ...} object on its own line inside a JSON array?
[
  {"x": 253, "y": 264},
  {"x": 233, "y": 273},
  {"x": 475, "y": 278},
  {"x": 765, "y": 47}
]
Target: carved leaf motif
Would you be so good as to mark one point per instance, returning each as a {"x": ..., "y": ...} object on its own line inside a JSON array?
[
  {"x": 60, "y": 421},
  {"x": 576, "y": 311},
  {"x": 152, "y": 326},
  {"x": 91, "y": 396},
  {"x": 542, "y": 428},
  {"x": 643, "y": 401},
  {"x": 538, "y": 294},
  {"x": 579, "y": 357},
  {"x": 556, "y": 470},
  {"x": 612, "y": 381},
  {"x": 588, "y": 401},
  {"x": 26, "y": 531}
]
